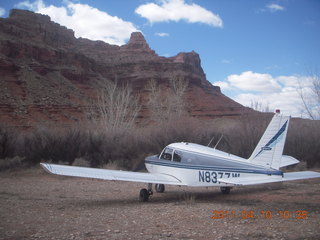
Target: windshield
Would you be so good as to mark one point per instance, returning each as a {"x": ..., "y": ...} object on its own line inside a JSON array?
[
  {"x": 171, "y": 155},
  {"x": 166, "y": 154}
]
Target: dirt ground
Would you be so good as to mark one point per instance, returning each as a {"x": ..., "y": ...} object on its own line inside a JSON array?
[{"x": 37, "y": 205}]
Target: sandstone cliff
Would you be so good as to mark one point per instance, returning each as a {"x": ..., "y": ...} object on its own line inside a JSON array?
[{"x": 48, "y": 75}]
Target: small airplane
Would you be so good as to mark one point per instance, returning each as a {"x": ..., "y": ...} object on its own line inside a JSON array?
[{"x": 194, "y": 165}]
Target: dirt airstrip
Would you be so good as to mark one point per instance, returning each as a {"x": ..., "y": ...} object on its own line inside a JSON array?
[{"x": 37, "y": 205}]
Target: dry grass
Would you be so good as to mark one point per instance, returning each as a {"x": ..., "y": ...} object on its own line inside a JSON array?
[{"x": 127, "y": 149}]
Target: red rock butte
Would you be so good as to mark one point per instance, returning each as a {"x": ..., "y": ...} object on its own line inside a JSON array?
[{"x": 49, "y": 76}]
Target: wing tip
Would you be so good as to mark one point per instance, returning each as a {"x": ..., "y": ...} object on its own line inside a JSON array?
[{"x": 46, "y": 167}]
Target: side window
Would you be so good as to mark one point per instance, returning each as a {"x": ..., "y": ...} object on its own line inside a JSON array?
[
  {"x": 167, "y": 154},
  {"x": 177, "y": 156}
]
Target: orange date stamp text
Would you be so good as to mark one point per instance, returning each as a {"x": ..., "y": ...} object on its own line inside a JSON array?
[{"x": 264, "y": 214}]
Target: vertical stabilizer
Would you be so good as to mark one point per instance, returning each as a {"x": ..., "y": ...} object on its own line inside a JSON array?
[{"x": 269, "y": 150}]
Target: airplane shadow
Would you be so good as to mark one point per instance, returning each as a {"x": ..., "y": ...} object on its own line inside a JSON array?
[{"x": 185, "y": 196}]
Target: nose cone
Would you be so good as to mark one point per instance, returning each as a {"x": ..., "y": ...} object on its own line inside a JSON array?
[{"x": 151, "y": 158}]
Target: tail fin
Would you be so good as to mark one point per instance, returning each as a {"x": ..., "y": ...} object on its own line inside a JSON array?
[{"x": 269, "y": 150}]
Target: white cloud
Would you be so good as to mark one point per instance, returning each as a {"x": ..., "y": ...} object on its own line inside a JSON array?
[
  {"x": 2, "y": 11},
  {"x": 223, "y": 85},
  {"x": 33, "y": 6},
  {"x": 273, "y": 7},
  {"x": 226, "y": 61},
  {"x": 177, "y": 10},
  {"x": 288, "y": 101},
  {"x": 86, "y": 21},
  {"x": 254, "y": 82},
  {"x": 162, "y": 34},
  {"x": 281, "y": 92}
]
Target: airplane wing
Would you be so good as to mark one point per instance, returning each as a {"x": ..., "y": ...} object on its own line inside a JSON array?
[
  {"x": 115, "y": 175},
  {"x": 270, "y": 179}
]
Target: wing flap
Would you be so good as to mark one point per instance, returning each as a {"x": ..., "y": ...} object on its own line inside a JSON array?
[
  {"x": 270, "y": 179},
  {"x": 115, "y": 175},
  {"x": 251, "y": 180}
]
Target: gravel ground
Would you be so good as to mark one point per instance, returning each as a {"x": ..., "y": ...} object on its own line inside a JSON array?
[{"x": 37, "y": 205}]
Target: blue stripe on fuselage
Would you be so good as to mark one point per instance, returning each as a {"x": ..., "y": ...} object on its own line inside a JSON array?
[{"x": 211, "y": 168}]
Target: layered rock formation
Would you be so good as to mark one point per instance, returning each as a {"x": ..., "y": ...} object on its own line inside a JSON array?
[{"x": 48, "y": 75}]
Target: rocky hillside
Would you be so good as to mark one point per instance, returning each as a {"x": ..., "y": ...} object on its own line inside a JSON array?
[{"x": 49, "y": 76}]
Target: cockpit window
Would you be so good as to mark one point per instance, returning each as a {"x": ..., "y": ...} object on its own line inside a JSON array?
[
  {"x": 177, "y": 156},
  {"x": 167, "y": 154}
]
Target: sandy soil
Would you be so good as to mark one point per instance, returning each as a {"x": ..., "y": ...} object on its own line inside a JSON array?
[{"x": 37, "y": 205}]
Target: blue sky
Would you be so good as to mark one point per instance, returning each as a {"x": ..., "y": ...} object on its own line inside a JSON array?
[{"x": 256, "y": 51}]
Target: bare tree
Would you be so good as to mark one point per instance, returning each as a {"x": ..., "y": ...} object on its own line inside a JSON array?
[
  {"x": 309, "y": 92},
  {"x": 118, "y": 107},
  {"x": 259, "y": 106},
  {"x": 156, "y": 103},
  {"x": 165, "y": 105},
  {"x": 177, "y": 102}
]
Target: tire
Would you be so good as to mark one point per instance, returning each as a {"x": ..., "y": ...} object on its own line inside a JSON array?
[
  {"x": 225, "y": 190},
  {"x": 159, "y": 188},
  {"x": 144, "y": 195}
]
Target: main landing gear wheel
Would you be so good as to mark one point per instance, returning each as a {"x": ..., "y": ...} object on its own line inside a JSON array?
[
  {"x": 159, "y": 188},
  {"x": 225, "y": 190}
]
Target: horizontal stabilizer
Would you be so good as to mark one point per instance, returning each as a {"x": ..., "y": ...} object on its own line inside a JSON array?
[
  {"x": 287, "y": 161},
  {"x": 115, "y": 175},
  {"x": 260, "y": 179}
]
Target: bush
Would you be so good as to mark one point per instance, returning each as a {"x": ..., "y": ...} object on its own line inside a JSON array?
[
  {"x": 8, "y": 138},
  {"x": 10, "y": 163},
  {"x": 303, "y": 141},
  {"x": 56, "y": 145},
  {"x": 128, "y": 148}
]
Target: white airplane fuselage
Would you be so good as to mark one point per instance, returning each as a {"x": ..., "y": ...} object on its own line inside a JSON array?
[{"x": 196, "y": 165}]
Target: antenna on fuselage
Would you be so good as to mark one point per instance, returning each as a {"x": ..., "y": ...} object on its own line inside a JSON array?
[
  {"x": 210, "y": 141},
  {"x": 218, "y": 142}
]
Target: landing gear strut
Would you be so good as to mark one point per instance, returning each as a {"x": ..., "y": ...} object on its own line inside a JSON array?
[
  {"x": 225, "y": 190},
  {"x": 145, "y": 193}
]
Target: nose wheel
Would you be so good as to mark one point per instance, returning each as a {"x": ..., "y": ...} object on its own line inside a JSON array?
[{"x": 145, "y": 193}]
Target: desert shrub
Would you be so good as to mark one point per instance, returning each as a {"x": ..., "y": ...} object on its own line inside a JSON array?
[
  {"x": 29, "y": 145},
  {"x": 94, "y": 150},
  {"x": 244, "y": 134},
  {"x": 81, "y": 162},
  {"x": 127, "y": 148},
  {"x": 8, "y": 138},
  {"x": 56, "y": 145},
  {"x": 303, "y": 141},
  {"x": 10, "y": 163},
  {"x": 178, "y": 130}
]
